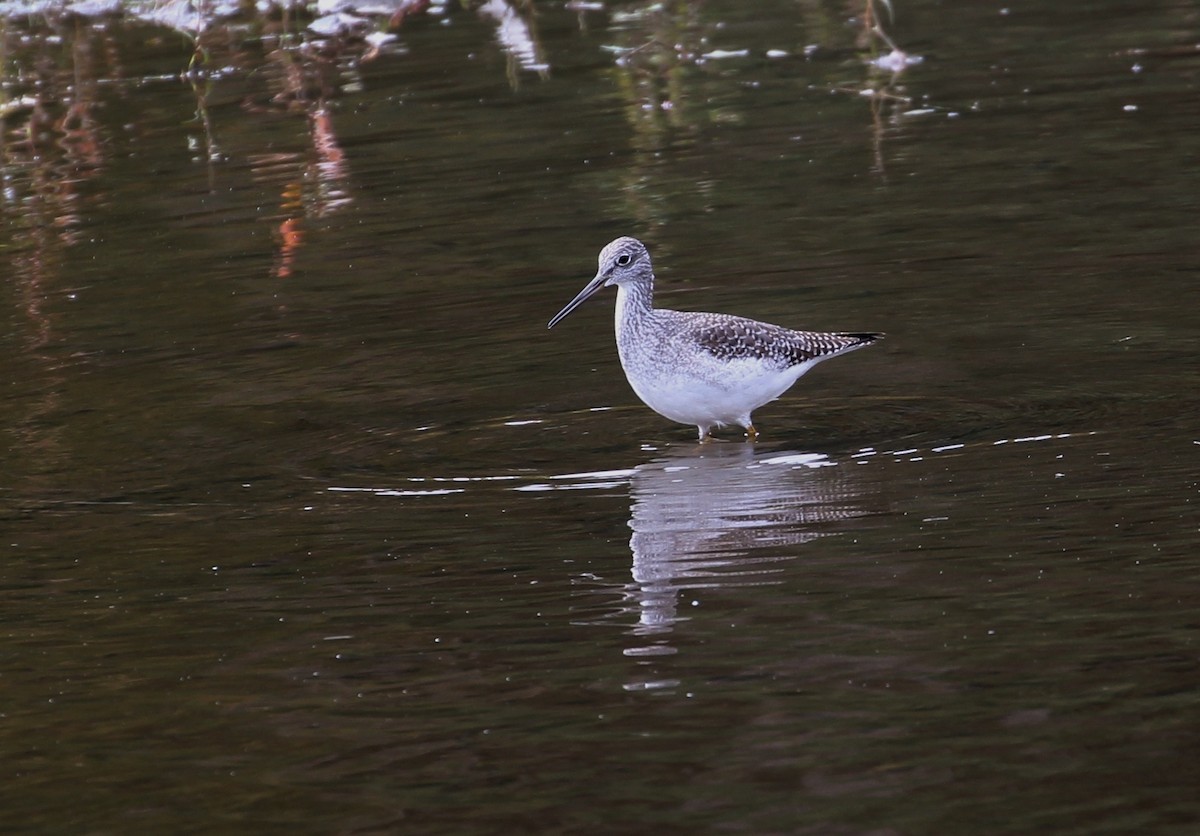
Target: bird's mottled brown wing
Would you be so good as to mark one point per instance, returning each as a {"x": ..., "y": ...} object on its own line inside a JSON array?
[{"x": 734, "y": 338}]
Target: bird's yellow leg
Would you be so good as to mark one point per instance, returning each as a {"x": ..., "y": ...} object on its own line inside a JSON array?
[{"x": 751, "y": 433}]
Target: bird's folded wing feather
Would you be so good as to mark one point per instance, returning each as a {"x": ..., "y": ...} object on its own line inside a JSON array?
[{"x": 735, "y": 338}]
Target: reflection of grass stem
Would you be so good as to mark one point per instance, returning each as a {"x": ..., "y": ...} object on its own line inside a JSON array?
[
  {"x": 874, "y": 94},
  {"x": 872, "y": 27},
  {"x": 201, "y": 85},
  {"x": 884, "y": 100},
  {"x": 200, "y": 56},
  {"x": 635, "y": 50},
  {"x": 884, "y": 37}
]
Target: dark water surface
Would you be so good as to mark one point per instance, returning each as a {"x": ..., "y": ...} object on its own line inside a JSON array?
[{"x": 309, "y": 525}]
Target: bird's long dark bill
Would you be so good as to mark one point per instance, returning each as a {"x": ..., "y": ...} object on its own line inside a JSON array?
[{"x": 592, "y": 288}]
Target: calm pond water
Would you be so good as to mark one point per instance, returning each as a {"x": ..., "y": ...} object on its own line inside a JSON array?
[{"x": 309, "y": 525}]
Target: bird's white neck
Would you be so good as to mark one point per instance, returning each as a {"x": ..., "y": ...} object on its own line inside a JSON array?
[{"x": 634, "y": 301}]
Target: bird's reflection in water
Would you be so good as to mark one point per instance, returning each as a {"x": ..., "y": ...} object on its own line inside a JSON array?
[{"x": 716, "y": 517}]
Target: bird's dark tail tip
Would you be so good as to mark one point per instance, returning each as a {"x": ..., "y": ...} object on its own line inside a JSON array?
[{"x": 864, "y": 338}]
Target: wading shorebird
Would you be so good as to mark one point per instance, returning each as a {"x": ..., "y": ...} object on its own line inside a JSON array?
[{"x": 706, "y": 369}]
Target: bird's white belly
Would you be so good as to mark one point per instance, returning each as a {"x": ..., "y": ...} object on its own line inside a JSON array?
[{"x": 721, "y": 392}]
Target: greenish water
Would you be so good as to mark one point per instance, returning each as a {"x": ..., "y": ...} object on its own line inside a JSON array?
[{"x": 309, "y": 525}]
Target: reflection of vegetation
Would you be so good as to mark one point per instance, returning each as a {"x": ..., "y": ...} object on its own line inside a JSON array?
[
  {"x": 666, "y": 62},
  {"x": 882, "y": 88},
  {"x": 51, "y": 142},
  {"x": 516, "y": 35},
  {"x": 55, "y": 65},
  {"x": 59, "y": 73},
  {"x": 657, "y": 47},
  {"x": 65, "y": 89}
]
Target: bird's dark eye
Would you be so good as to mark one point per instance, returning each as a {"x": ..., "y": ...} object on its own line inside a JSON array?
[{"x": 624, "y": 259}]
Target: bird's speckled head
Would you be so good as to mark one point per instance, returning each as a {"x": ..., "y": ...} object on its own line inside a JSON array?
[{"x": 624, "y": 260}]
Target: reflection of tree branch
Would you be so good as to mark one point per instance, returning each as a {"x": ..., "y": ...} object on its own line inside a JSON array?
[
  {"x": 655, "y": 75},
  {"x": 314, "y": 183},
  {"x": 885, "y": 92},
  {"x": 52, "y": 144},
  {"x": 330, "y": 165},
  {"x": 517, "y": 37},
  {"x": 327, "y": 174},
  {"x": 201, "y": 85}
]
